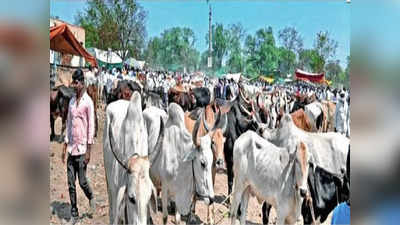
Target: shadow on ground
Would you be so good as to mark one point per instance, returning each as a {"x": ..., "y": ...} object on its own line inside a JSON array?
[{"x": 63, "y": 211}]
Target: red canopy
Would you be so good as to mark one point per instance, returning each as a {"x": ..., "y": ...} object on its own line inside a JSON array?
[
  {"x": 313, "y": 77},
  {"x": 62, "y": 40}
]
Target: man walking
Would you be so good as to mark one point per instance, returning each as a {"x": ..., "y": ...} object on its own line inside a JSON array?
[{"x": 78, "y": 142}]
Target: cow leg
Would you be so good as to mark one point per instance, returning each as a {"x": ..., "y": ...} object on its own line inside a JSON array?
[
  {"x": 243, "y": 205},
  {"x": 52, "y": 133},
  {"x": 266, "y": 208},
  {"x": 63, "y": 127},
  {"x": 177, "y": 217},
  {"x": 164, "y": 199},
  {"x": 236, "y": 197}
]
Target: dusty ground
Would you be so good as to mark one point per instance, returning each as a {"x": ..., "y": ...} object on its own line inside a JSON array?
[{"x": 59, "y": 197}]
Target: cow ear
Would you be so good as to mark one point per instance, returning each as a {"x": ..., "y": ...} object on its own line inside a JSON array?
[{"x": 189, "y": 156}]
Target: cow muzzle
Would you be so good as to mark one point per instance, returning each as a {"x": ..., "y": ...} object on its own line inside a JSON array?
[
  {"x": 219, "y": 165},
  {"x": 132, "y": 198},
  {"x": 303, "y": 192}
]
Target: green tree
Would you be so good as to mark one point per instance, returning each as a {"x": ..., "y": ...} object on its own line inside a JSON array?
[
  {"x": 293, "y": 43},
  {"x": 325, "y": 46},
  {"x": 261, "y": 52},
  {"x": 115, "y": 24},
  {"x": 310, "y": 60},
  {"x": 235, "y": 61},
  {"x": 174, "y": 50},
  {"x": 286, "y": 61},
  {"x": 220, "y": 44},
  {"x": 333, "y": 70}
]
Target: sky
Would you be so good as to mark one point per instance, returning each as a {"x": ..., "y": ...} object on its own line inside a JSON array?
[{"x": 308, "y": 17}]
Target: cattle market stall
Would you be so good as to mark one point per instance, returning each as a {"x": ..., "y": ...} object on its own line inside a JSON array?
[
  {"x": 315, "y": 78},
  {"x": 63, "y": 40}
]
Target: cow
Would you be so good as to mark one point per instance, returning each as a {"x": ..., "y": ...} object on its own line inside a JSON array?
[
  {"x": 326, "y": 191},
  {"x": 301, "y": 120},
  {"x": 120, "y": 92},
  {"x": 124, "y": 125},
  {"x": 314, "y": 111},
  {"x": 59, "y": 102},
  {"x": 217, "y": 139},
  {"x": 327, "y": 150},
  {"x": 182, "y": 164},
  {"x": 92, "y": 92},
  {"x": 272, "y": 174},
  {"x": 239, "y": 121},
  {"x": 182, "y": 98},
  {"x": 202, "y": 96}
]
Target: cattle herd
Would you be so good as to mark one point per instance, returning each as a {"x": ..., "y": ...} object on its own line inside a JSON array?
[{"x": 167, "y": 136}]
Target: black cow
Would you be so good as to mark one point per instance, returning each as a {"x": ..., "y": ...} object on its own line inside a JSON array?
[
  {"x": 59, "y": 102},
  {"x": 327, "y": 190},
  {"x": 202, "y": 96},
  {"x": 117, "y": 92},
  {"x": 238, "y": 123}
]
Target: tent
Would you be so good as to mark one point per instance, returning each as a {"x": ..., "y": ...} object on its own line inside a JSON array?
[
  {"x": 63, "y": 40},
  {"x": 313, "y": 77}
]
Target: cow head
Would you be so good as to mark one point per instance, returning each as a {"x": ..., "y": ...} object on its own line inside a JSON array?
[
  {"x": 139, "y": 185},
  {"x": 202, "y": 157},
  {"x": 218, "y": 140},
  {"x": 301, "y": 165}
]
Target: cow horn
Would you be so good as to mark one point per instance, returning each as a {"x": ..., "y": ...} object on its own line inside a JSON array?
[
  {"x": 113, "y": 144},
  {"x": 194, "y": 134},
  {"x": 245, "y": 110},
  {"x": 244, "y": 99}
]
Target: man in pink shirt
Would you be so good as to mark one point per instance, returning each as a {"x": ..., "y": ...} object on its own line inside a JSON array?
[{"x": 78, "y": 142}]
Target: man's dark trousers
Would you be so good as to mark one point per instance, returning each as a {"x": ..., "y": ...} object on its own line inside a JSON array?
[{"x": 77, "y": 165}]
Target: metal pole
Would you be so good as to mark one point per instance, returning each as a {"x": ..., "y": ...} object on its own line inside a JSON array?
[{"x": 210, "y": 40}]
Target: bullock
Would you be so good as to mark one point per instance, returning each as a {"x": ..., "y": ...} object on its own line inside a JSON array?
[
  {"x": 326, "y": 191},
  {"x": 217, "y": 139},
  {"x": 92, "y": 92},
  {"x": 301, "y": 120},
  {"x": 238, "y": 123},
  {"x": 327, "y": 150},
  {"x": 124, "y": 125},
  {"x": 314, "y": 111},
  {"x": 59, "y": 102},
  {"x": 182, "y": 98},
  {"x": 122, "y": 89},
  {"x": 153, "y": 98},
  {"x": 202, "y": 96},
  {"x": 182, "y": 164},
  {"x": 272, "y": 174}
]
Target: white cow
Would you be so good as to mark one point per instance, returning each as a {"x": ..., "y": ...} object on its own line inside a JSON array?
[
  {"x": 124, "y": 133},
  {"x": 272, "y": 174},
  {"x": 328, "y": 150},
  {"x": 182, "y": 169}
]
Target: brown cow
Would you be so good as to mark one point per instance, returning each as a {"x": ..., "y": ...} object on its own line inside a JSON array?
[
  {"x": 301, "y": 120},
  {"x": 328, "y": 109},
  {"x": 217, "y": 139},
  {"x": 92, "y": 92}
]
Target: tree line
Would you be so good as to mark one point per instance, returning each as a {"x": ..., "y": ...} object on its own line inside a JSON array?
[{"x": 119, "y": 25}]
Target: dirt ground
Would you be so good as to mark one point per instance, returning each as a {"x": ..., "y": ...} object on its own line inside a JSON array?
[{"x": 60, "y": 203}]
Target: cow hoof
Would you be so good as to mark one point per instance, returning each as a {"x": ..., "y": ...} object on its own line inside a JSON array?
[{"x": 52, "y": 137}]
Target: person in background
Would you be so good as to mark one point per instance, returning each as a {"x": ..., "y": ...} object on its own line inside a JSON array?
[
  {"x": 341, "y": 114},
  {"x": 78, "y": 142}
]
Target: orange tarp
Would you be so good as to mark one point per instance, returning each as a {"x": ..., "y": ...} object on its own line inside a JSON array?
[{"x": 63, "y": 40}]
